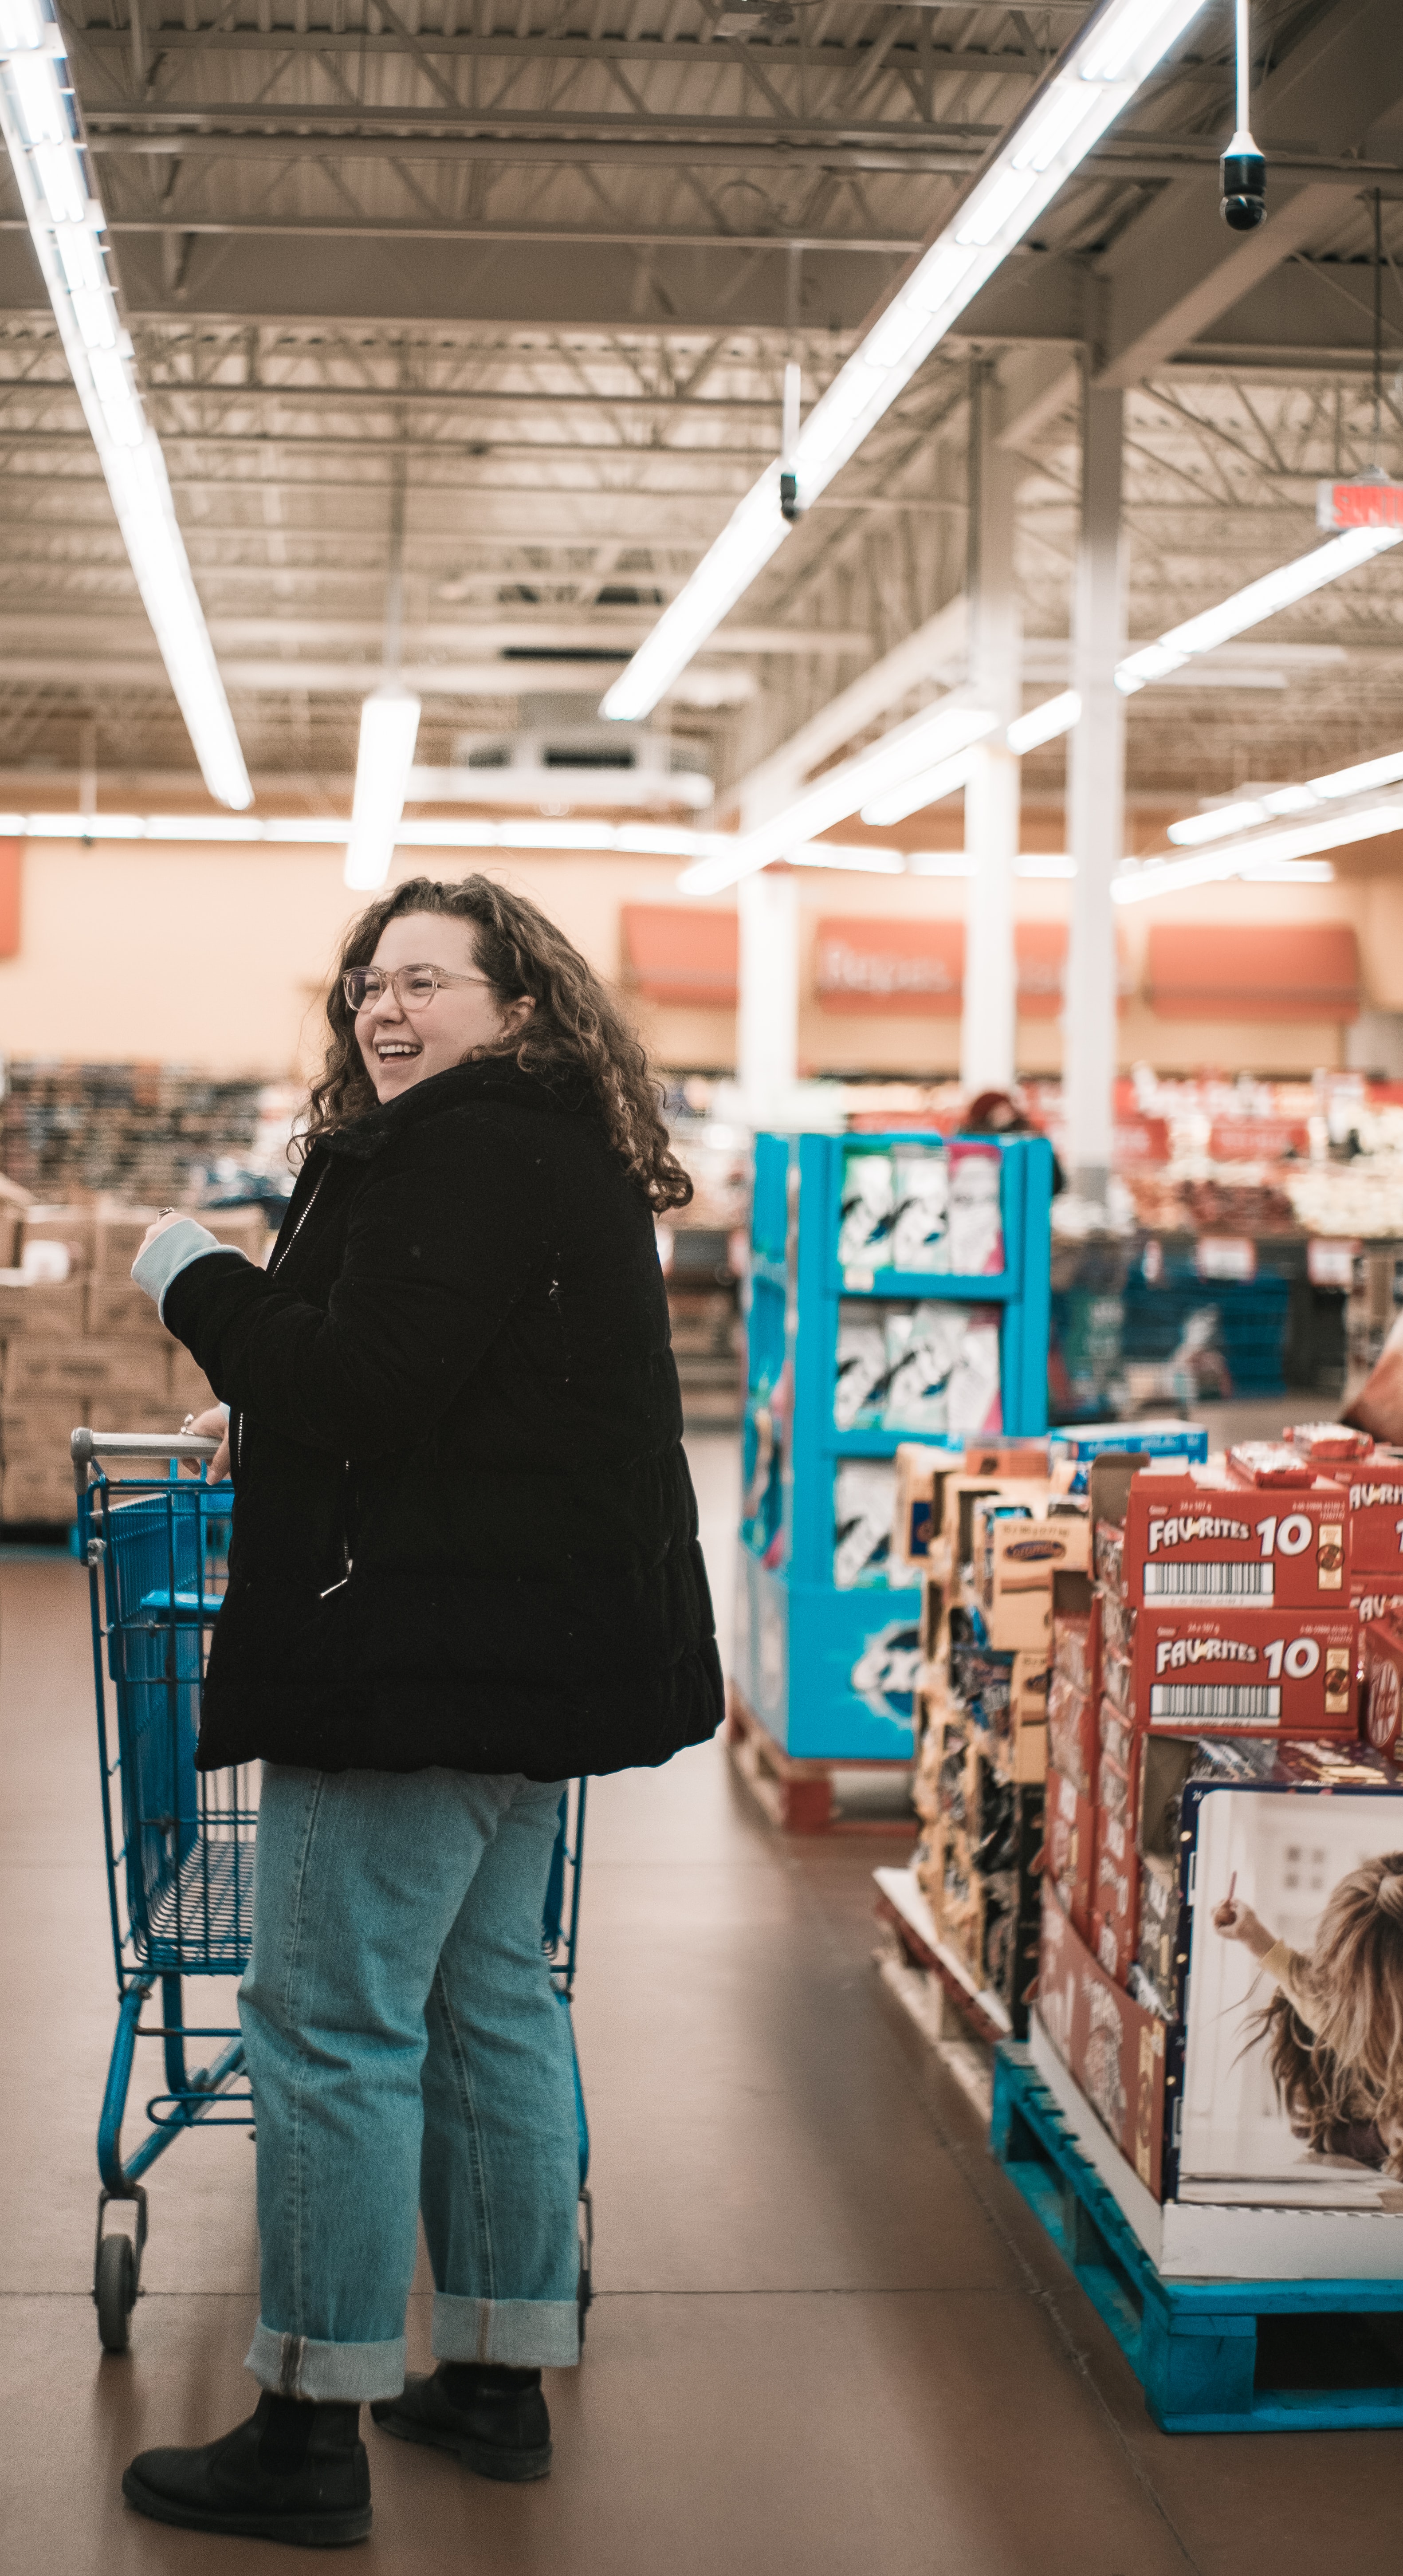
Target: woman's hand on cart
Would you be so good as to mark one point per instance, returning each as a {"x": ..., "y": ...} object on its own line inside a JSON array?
[{"x": 211, "y": 1426}]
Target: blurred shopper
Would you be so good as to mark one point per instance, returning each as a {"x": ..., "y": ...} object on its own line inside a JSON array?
[{"x": 464, "y": 1566}]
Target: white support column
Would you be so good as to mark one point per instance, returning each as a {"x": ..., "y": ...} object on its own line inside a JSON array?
[
  {"x": 988, "y": 1027},
  {"x": 1095, "y": 798},
  {"x": 767, "y": 1014}
]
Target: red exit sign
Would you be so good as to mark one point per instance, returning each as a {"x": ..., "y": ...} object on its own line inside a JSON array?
[{"x": 1359, "y": 505}]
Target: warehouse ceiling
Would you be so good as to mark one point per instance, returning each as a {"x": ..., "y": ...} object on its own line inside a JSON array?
[{"x": 531, "y": 269}]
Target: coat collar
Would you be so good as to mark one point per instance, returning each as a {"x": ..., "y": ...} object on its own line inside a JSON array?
[{"x": 494, "y": 1077}]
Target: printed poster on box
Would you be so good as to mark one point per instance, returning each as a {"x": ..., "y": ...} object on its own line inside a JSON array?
[{"x": 1287, "y": 1857}]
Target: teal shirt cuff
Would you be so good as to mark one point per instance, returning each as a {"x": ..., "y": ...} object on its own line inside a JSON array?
[{"x": 162, "y": 1261}]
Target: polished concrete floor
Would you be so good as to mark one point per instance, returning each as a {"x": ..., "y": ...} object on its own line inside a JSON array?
[{"x": 828, "y": 2338}]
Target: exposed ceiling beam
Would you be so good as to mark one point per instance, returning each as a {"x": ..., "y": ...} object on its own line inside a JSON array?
[
  {"x": 1176, "y": 269},
  {"x": 698, "y": 52}
]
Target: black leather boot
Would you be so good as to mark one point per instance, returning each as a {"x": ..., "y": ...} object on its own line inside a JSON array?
[
  {"x": 294, "y": 2472},
  {"x": 492, "y": 2418}
]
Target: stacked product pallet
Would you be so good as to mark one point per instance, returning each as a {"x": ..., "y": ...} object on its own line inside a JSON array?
[
  {"x": 1214, "y": 1819},
  {"x": 80, "y": 1344},
  {"x": 988, "y": 1535}
]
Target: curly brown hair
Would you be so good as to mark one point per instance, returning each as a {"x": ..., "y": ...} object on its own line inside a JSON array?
[{"x": 575, "y": 1030}]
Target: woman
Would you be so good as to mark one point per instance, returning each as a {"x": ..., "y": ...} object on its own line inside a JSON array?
[{"x": 464, "y": 1566}]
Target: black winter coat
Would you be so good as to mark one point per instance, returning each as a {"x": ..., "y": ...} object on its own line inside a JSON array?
[{"x": 464, "y": 1530}]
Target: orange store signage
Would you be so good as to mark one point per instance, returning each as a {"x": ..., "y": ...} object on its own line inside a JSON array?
[{"x": 890, "y": 967}]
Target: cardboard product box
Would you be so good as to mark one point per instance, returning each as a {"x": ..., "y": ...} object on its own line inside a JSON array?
[
  {"x": 1010, "y": 1457},
  {"x": 73, "y": 1226},
  {"x": 1076, "y": 1630},
  {"x": 962, "y": 1493},
  {"x": 1070, "y": 1846},
  {"x": 1157, "y": 1946},
  {"x": 1015, "y": 1561},
  {"x": 1113, "y": 2048},
  {"x": 37, "y": 1365},
  {"x": 136, "y": 1409},
  {"x": 1091, "y": 1440},
  {"x": 978, "y": 1675},
  {"x": 1113, "y": 1950},
  {"x": 1115, "y": 1891},
  {"x": 39, "y": 1308},
  {"x": 1117, "y": 1789},
  {"x": 1026, "y": 1744},
  {"x": 1117, "y": 1735},
  {"x": 1375, "y": 1496},
  {"x": 38, "y": 1488},
  {"x": 921, "y": 1471},
  {"x": 1010, "y": 1940},
  {"x": 1108, "y": 1558},
  {"x": 118, "y": 1232},
  {"x": 1072, "y": 1741},
  {"x": 1285, "y": 1840},
  {"x": 1247, "y": 1671},
  {"x": 935, "y": 1592},
  {"x": 1117, "y": 1623},
  {"x": 39, "y": 1426},
  {"x": 115, "y": 1307},
  {"x": 1004, "y": 1819},
  {"x": 1117, "y": 1676},
  {"x": 1381, "y": 1682},
  {"x": 1203, "y": 1541},
  {"x": 1375, "y": 1596}
]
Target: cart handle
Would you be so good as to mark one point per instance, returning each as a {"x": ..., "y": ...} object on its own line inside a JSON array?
[{"x": 87, "y": 1447}]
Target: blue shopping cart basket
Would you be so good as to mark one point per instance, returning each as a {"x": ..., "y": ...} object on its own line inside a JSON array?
[{"x": 180, "y": 1842}]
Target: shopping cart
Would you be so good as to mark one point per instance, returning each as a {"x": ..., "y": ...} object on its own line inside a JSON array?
[{"x": 180, "y": 1842}]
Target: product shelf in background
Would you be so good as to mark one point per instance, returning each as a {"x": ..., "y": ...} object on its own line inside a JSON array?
[{"x": 828, "y": 1664}]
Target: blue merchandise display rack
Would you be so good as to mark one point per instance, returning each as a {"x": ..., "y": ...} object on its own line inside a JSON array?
[{"x": 828, "y": 1673}]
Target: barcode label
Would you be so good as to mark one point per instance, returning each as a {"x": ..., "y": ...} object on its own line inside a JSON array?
[
  {"x": 1238, "y": 1703},
  {"x": 1209, "y": 1583}
]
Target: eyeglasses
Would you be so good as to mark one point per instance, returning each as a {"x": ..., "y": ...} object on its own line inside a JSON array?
[{"x": 413, "y": 987}]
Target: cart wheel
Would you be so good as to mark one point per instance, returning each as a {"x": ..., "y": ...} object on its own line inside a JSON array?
[{"x": 115, "y": 2292}]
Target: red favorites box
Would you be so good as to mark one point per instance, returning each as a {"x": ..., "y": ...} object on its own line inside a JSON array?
[
  {"x": 1375, "y": 1495},
  {"x": 1111, "y": 2046},
  {"x": 1247, "y": 1672},
  {"x": 1069, "y": 1829},
  {"x": 1376, "y": 1596},
  {"x": 1381, "y": 1683},
  {"x": 1203, "y": 1541}
]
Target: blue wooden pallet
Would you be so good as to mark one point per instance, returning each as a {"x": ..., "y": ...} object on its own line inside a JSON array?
[{"x": 1211, "y": 2356}]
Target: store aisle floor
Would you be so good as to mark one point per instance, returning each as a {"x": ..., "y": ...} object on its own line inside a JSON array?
[{"x": 828, "y": 2337}]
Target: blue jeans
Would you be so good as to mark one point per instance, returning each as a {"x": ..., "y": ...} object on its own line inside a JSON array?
[{"x": 406, "y": 2051}]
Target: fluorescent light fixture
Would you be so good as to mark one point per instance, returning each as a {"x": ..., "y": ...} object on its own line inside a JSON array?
[
  {"x": 1268, "y": 856},
  {"x": 1222, "y": 820},
  {"x": 1358, "y": 781},
  {"x": 631, "y": 840},
  {"x": 856, "y": 855},
  {"x": 1261, "y": 599},
  {"x": 1289, "y": 872},
  {"x": 66, "y": 222},
  {"x": 908, "y": 751},
  {"x": 1216, "y": 824},
  {"x": 1044, "y": 723},
  {"x": 940, "y": 863},
  {"x": 1103, "y": 67},
  {"x": 929, "y": 787},
  {"x": 389, "y": 721}
]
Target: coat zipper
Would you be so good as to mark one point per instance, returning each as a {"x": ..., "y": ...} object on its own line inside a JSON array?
[{"x": 272, "y": 1267}]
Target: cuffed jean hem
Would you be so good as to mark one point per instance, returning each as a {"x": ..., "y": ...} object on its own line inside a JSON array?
[
  {"x": 296, "y": 2366},
  {"x": 528, "y": 2334}
]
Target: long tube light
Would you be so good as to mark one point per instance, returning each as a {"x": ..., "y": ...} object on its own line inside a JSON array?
[
  {"x": 1269, "y": 856},
  {"x": 1110, "y": 58},
  {"x": 1244, "y": 813},
  {"x": 67, "y": 224},
  {"x": 389, "y": 723},
  {"x": 1261, "y": 599},
  {"x": 906, "y": 752}
]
